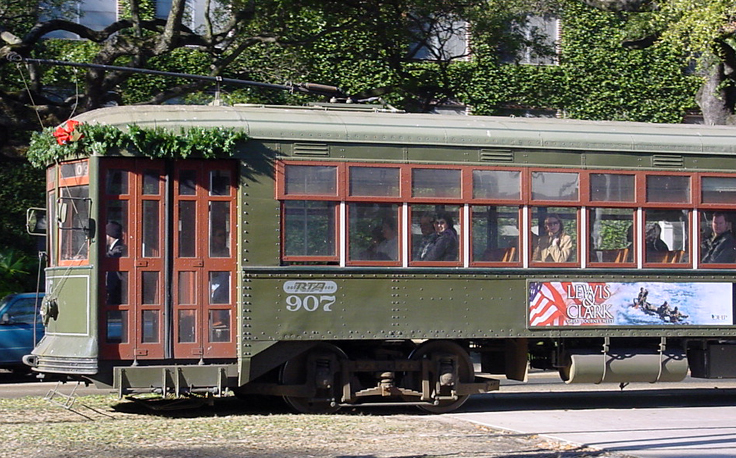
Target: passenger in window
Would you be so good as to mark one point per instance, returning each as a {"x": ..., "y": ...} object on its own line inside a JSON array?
[
  {"x": 114, "y": 248},
  {"x": 444, "y": 246},
  {"x": 371, "y": 253},
  {"x": 426, "y": 225},
  {"x": 720, "y": 247},
  {"x": 388, "y": 248},
  {"x": 654, "y": 244},
  {"x": 555, "y": 245}
]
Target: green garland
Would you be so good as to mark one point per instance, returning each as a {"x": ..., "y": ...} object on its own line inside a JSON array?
[{"x": 153, "y": 143}]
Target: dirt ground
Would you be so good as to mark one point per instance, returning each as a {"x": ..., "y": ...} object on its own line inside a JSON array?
[{"x": 105, "y": 427}]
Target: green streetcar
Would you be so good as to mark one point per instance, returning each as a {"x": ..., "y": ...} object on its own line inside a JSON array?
[{"x": 341, "y": 255}]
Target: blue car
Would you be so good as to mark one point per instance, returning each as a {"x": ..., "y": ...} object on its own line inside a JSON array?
[{"x": 18, "y": 316}]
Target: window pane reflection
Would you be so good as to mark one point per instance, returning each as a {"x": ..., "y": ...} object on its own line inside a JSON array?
[
  {"x": 188, "y": 183},
  {"x": 220, "y": 183},
  {"x": 116, "y": 182},
  {"x": 661, "y": 188},
  {"x": 149, "y": 320},
  {"x": 496, "y": 184},
  {"x": 316, "y": 180},
  {"x": 150, "y": 228},
  {"x": 151, "y": 182},
  {"x": 117, "y": 326},
  {"x": 374, "y": 181},
  {"x": 435, "y": 183},
  {"x": 608, "y": 187},
  {"x": 187, "y": 326},
  {"x": 219, "y": 325},
  {"x": 219, "y": 229},
  {"x": 555, "y": 186},
  {"x": 718, "y": 190},
  {"x": 150, "y": 287},
  {"x": 187, "y": 229},
  {"x": 187, "y": 288}
]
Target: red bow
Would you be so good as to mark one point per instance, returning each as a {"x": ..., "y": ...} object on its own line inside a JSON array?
[{"x": 65, "y": 132}]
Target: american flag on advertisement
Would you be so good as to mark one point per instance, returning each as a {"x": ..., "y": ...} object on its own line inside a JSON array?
[{"x": 547, "y": 304}]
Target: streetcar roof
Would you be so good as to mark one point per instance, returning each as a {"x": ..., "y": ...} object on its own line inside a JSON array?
[{"x": 329, "y": 125}]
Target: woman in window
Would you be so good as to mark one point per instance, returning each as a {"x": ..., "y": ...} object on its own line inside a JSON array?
[
  {"x": 555, "y": 245},
  {"x": 444, "y": 246}
]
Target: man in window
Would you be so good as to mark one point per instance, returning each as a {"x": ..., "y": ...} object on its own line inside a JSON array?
[{"x": 720, "y": 247}]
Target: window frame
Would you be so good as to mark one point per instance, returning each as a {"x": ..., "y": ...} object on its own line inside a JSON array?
[
  {"x": 632, "y": 254},
  {"x": 71, "y": 182},
  {"x": 530, "y": 235},
  {"x": 465, "y": 203},
  {"x": 340, "y": 180},
  {"x": 334, "y": 257}
]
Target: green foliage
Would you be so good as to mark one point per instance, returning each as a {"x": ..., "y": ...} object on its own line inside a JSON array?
[
  {"x": 605, "y": 81},
  {"x": 96, "y": 139},
  {"x": 18, "y": 272},
  {"x": 23, "y": 187}
]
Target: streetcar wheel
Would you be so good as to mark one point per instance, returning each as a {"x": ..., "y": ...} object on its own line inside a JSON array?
[
  {"x": 319, "y": 369},
  {"x": 439, "y": 352}
]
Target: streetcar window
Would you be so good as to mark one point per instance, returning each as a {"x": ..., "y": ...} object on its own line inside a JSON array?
[
  {"x": 444, "y": 242},
  {"x": 610, "y": 187},
  {"x": 117, "y": 182},
  {"x": 219, "y": 325},
  {"x": 150, "y": 323},
  {"x": 716, "y": 238},
  {"x": 72, "y": 170},
  {"x": 187, "y": 288},
  {"x": 555, "y": 186},
  {"x": 554, "y": 234},
  {"x": 310, "y": 180},
  {"x": 116, "y": 287},
  {"x": 187, "y": 229},
  {"x": 718, "y": 190},
  {"x": 436, "y": 183},
  {"x": 666, "y": 236},
  {"x": 495, "y": 233},
  {"x": 219, "y": 229},
  {"x": 496, "y": 184},
  {"x": 220, "y": 183},
  {"x": 151, "y": 234},
  {"x": 188, "y": 182},
  {"x": 187, "y": 328},
  {"x": 374, "y": 181},
  {"x": 219, "y": 287},
  {"x": 374, "y": 232},
  {"x": 51, "y": 234},
  {"x": 151, "y": 182},
  {"x": 309, "y": 228},
  {"x": 611, "y": 235},
  {"x": 150, "y": 287},
  {"x": 73, "y": 218},
  {"x": 117, "y": 326},
  {"x": 666, "y": 188},
  {"x": 117, "y": 211}
]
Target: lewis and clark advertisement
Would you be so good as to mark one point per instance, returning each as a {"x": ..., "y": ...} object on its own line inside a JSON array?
[{"x": 562, "y": 303}]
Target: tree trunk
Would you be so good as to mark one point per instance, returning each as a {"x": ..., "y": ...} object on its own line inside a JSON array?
[{"x": 716, "y": 99}]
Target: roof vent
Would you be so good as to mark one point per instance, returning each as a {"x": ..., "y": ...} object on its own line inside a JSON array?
[
  {"x": 496, "y": 155},
  {"x": 668, "y": 160},
  {"x": 311, "y": 149}
]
